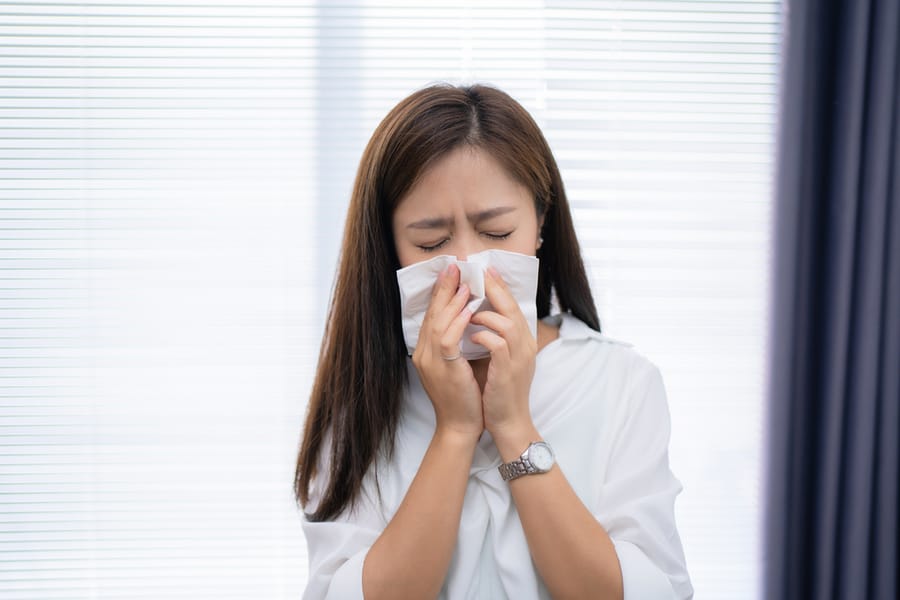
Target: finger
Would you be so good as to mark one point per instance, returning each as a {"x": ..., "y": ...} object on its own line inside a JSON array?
[
  {"x": 444, "y": 288},
  {"x": 498, "y": 293},
  {"x": 495, "y": 344},
  {"x": 442, "y": 319},
  {"x": 502, "y": 325},
  {"x": 453, "y": 335},
  {"x": 459, "y": 299}
]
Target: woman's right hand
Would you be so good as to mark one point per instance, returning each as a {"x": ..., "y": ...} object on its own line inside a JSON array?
[{"x": 450, "y": 384}]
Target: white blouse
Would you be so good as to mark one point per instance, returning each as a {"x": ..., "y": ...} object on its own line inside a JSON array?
[{"x": 602, "y": 407}]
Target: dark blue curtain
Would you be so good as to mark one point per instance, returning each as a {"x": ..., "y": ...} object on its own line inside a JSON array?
[{"x": 833, "y": 457}]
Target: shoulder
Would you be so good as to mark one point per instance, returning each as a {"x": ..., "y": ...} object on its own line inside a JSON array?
[
  {"x": 586, "y": 353},
  {"x": 595, "y": 360},
  {"x": 573, "y": 332}
]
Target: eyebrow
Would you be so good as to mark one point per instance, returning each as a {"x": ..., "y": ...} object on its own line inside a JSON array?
[{"x": 442, "y": 222}]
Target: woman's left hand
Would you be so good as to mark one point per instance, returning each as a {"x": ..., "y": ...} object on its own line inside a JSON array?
[{"x": 513, "y": 349}]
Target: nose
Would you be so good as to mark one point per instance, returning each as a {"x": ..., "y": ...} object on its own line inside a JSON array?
[{"x": 466, "y": 245}]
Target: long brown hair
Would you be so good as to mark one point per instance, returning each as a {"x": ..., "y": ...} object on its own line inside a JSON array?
[{"x": 362, "y": 373}]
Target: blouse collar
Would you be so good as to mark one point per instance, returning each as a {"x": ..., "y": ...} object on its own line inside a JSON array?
[
  {"x": 570, "y": 326},
  {"x": 573, "y": 328}
]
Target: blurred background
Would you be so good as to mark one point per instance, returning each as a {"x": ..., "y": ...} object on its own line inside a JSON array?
[{"x": 173, "y": 184}]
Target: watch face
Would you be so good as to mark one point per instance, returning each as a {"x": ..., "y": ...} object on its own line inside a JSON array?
[{"x": 541, "y": 456}]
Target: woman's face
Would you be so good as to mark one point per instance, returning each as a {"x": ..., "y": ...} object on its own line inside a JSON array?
[{"x": 463, "y": 204}]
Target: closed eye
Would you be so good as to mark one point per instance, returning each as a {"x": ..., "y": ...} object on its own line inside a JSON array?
[{"x": 434, "y": 247}]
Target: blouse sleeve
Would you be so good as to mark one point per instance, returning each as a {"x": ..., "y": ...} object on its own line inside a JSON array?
[
  {"x": 637, "y": 499},
  {"x": 338, "y": 548}
]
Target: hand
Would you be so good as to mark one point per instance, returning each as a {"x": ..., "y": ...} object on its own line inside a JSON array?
[
  {"x": 450, "y": 384},
  {"x": 513, "y": 350}
]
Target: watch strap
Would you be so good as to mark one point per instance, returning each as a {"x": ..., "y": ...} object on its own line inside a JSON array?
[
  {"x": 522, "y": 465},
  {"x": 516, "y": 468}
]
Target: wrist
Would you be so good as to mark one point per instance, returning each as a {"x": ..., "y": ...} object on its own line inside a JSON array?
[
  {"x": 511, "y": 440},
  {"x": 455, "y": 438}
]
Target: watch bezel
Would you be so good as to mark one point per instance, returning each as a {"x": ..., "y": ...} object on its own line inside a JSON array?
[{"x": 531, "y": 455}]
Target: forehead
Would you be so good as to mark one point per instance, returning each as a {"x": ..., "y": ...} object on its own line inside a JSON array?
[{"x": 467, "y": 178}]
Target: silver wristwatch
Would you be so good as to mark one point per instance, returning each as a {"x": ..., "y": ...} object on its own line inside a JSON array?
[{"x": 537, "y": 458}]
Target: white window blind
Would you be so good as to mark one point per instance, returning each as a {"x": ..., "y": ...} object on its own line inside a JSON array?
[
  {"x": 173, "y": 182},
  {"x": 158, "y": 178}
]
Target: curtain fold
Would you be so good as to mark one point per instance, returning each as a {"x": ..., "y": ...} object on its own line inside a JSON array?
[{"x": 834, "y": 458}]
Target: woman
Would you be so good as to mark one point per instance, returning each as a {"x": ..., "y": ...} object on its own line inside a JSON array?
[{"x": 540, "y": 470}]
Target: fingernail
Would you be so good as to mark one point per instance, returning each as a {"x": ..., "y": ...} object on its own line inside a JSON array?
[
  {"x": 463, "y": 290},
  {"x": 493, "y": 272}
]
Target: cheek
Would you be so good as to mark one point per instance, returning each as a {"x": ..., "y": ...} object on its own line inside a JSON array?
[
  {"x": 526, "y": 242},
  {"x": 526, "y": 247},
  {"x": 404, "y": 251}
]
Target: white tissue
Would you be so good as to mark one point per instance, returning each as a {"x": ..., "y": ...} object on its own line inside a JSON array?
[{"x": 416, "y": 282}]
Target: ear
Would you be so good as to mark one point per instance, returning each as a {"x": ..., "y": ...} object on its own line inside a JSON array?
[{"x": 540, "y": 227}]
